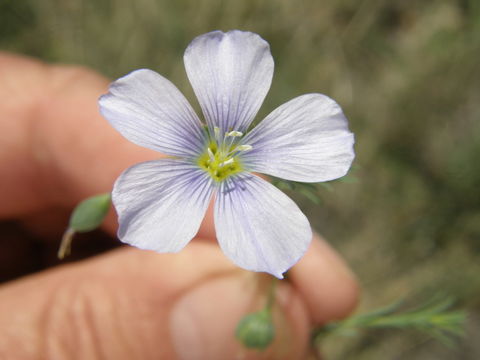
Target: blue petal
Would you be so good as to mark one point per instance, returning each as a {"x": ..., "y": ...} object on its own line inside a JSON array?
[
  {"x": 151, "y": 112},
  {"x": 306, "y": 139},
  {"x": 258, "y": 227},
  {"x": 161, "y": 204},
  {"x": 230, "y": 73}
]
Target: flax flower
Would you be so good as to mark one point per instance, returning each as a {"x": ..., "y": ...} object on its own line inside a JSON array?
[{"x": 161, "y": 203}]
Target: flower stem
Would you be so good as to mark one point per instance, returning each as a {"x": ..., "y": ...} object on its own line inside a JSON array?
[
  {"x": 271, "y": 294},
  {"x": 66, "y": 244}
]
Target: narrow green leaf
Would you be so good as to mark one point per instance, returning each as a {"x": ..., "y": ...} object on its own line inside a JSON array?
[{"x": 433, "y": 317}]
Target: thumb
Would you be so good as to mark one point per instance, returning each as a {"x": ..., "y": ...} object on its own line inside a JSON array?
[{"x": 133, "y": 304}]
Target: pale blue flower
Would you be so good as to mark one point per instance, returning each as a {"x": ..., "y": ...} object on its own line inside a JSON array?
[{"x": 161, "y": 203}]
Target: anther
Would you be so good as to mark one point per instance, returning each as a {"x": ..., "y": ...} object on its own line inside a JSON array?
[
  {"x": 225, "y": 163},
  {"x": 244, "y": 148},
  {"x": 234, "y": 133}
]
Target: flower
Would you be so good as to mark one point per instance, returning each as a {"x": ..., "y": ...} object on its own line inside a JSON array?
[{"x": 161, "y": 203}]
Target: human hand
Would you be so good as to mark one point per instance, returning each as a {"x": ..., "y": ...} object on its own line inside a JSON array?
[{"x": 55, "y": 150}]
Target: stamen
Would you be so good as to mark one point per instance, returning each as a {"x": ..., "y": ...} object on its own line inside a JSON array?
[
  {"x": 244, "y": 148},
  {"x": 238, "y": 149},
  {"x": 235, "y": 133},
  {"x": 232, "y": 135},
  {"x": 210, "y": 154},
  {"x": 216, "y": 132},
  {"x": 225, "y": 163}
]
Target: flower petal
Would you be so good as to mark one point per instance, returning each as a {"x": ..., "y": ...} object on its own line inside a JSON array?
[
  {"x": 306, "y": 139},
  {"x": 258, "y": 227},
  {"x": 230, "y": 73},
  {"x": 161, "y": 204},
  {"x": 151, "y": 112}
]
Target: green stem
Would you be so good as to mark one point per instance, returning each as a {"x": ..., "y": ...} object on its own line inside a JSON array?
[
  {"x": 271, "y": 294},
  {"x": 66, "y": 244}
]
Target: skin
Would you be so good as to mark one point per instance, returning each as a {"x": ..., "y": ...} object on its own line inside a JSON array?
[{"x": 55, "y": 150}]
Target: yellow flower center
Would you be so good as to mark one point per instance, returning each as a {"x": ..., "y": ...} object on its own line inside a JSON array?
[{"x": 222, "y": 161}]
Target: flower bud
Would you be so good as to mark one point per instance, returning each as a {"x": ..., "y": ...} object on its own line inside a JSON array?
[{"x": 256, "y": 330}]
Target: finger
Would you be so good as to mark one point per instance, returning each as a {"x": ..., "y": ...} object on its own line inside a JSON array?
[
  {"x": 57, "y": 147},
  {"x": 326, "y": 284},
  {"x": 134, "y": 304}
]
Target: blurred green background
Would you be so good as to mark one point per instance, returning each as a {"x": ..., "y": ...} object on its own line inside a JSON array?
[{"x": 407, "y": 74}]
